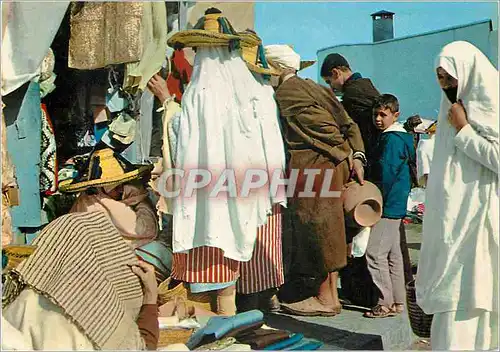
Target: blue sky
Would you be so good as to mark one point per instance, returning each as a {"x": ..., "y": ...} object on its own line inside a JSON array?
[{"x": 310, "y": 26}]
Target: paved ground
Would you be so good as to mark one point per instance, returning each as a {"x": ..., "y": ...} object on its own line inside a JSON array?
[{"x": 351, "y": 331}]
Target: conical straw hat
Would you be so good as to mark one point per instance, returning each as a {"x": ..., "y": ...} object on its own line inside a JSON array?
[{"x": 105, "y": 168}]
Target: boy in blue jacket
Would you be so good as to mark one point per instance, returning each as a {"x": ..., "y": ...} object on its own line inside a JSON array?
[{"x": 391, "y": 173}]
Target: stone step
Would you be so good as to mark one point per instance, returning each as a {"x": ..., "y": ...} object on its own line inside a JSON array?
[{"x": 349, "y": 330}]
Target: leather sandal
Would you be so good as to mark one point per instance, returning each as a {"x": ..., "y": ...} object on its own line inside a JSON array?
[
  {"x": 309, "y": 307},
  {"x": 380, "y": 311}
]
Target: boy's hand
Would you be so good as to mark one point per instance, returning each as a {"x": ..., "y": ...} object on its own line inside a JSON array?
[{"x": 457, "y": 116}]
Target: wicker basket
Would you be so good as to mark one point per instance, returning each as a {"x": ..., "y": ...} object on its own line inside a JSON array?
[
  {"x": 181, "y": 292},
  {"x": 419, "y": 321},
  {"x": 171, "y": 336}
]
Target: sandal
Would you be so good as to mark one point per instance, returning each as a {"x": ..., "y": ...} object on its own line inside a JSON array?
[
  {"x": 309, "y": 307},
  {"x": 380, "y": 311}
]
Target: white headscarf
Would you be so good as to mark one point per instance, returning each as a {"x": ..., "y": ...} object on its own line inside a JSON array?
[
  {"x": 282, "y": 56},
  {"x": 477, "y": 86}
]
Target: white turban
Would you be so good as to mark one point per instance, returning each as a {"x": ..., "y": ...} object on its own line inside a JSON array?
[{"x": 282, "y": 56}]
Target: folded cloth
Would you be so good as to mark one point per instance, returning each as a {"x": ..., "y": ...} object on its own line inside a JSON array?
[
  {"x": 294, "y": 339},
  {"x": 260, "y": 338},
  {"x": 238, "y": 347},
  {"x": 219, "y": 326},
  {"x": 306, "y": 345},
  {"x": 217, "y": 345},
  {"x": 244, "y": 329}
]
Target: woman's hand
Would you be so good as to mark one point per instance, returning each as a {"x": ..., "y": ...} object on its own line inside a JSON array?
[
  {"x": 158, "y": 86},
  {"x": 147, "y": 275},
  {"x": 457, "y": 116}
]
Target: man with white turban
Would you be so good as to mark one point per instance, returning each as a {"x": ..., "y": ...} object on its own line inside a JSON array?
[
  {"x": 457, "y": 278},
  {"x": 319, "y": 135}
]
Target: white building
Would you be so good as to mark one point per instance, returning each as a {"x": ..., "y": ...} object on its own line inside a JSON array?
[{"x": 405, "y": 66}]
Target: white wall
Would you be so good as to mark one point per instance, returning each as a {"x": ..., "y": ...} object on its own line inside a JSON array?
[{"x": 405, "y": 67}]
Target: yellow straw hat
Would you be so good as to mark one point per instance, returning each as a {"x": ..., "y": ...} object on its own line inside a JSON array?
[
  {"x": 213, "y": 29},
  {"x": 254, "y": 55},
  {"x": 14, "y": 255},
  {"x": 306, "y": 63},
  {"x": 105, "y": 168}
]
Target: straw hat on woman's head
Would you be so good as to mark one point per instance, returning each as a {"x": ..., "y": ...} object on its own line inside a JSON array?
[
  {"x": 254, "y": 56},
  {"x": 105, "y": 168},
  {"x": 213, "y": 29}
]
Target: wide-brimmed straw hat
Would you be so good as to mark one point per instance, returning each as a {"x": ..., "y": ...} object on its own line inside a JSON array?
[
  {"x": 254, "y": 56},
  {"x": 105, "y": 168},
  {"x": 213, "y": 29},
  {"x": 302, "y": 65},
  {"x": 306, "y": 63},
  {"x": 13, "y": 255}
]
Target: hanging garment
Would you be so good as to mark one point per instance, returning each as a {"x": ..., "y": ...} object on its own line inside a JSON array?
[
  {"x": 105, "y": 33},
  {"x": 265, "y": 269},
  {"x": 8, "y": 180},
  {"x": 24, "y": 132},
  {"x": 31, "y": 27},
  {"x": 458, "y": 262},
  {"x": 219, "y": 131},
  {"x": 171, "y": 113},
  {"x": 180, "y": 75},
  {"x": 154, "y": 40},
  {"x": 48, "y": 161}
]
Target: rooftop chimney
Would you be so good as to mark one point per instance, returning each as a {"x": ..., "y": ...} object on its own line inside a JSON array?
[{"x": 383, "y": 25}]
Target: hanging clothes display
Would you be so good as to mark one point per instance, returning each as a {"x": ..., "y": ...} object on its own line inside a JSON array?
[
  {"x": 180, "y": 74},
  {"x": 23, "y": 120},
  {"x": 154, "y": 43},
  {"x": 48, "y": 159},
  {"x": 105, "y": 33},
  {"x": 8, "y": 181},
  {"x": 30, "y": 28}
]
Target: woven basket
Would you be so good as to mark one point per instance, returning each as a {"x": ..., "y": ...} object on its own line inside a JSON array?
[
  {"x": 181, "y": 292},
  {"x": 419, "y": 321},
  {"x": 171, "y": 336}
]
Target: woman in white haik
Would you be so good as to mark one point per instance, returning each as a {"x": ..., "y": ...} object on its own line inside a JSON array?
[{"x": 457, "y": 278}]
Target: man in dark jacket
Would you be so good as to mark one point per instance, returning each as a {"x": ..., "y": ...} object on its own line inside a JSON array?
[{"x": 358, "y": 96}]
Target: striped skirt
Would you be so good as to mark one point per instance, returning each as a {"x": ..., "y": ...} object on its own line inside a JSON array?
[{"x": 263, "y": 271}]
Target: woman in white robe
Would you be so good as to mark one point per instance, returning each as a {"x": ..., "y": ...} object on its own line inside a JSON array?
[{"x": 457, "y": 278}]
